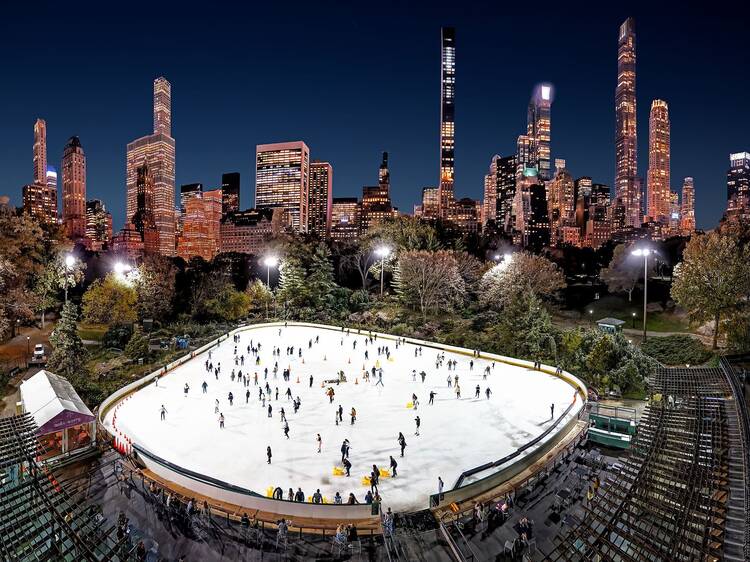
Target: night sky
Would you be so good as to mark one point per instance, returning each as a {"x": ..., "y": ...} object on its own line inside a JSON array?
[{"x": 352, "y": 79}]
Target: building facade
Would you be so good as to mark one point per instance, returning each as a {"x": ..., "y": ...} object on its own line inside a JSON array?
[
  {"x": 201, "y": 227},
  {"x": 447, "y": 120},
  {"x": 687, "y": 208},
  {"x": 282, "y": 175},
  {"x": 157, "y": 152},
  {"x": 658, "y": 179},
  {"x": 627, "y": 188},
  {"x": 230, "y": 192},
  {"x": 74, "y": 189},
  {"x": 248, "y": 231},
  {"x": 539, "y": 130},
  {"x": 738, "y": 185},
  {"x": 376, "y": 205},
  {"x": 345, "y": 219},
  {"x": 40, "y": 152},
  {"x": 321, "y": 199},
  {"x": 98, "y": 225}
]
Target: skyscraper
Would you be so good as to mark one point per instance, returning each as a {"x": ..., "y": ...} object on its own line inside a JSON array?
[
  {"x": 143, "y": 217},
  {"x": 500, "y": 187},
  {"x": 687, "y": 210},
  {"x": 74, "y": 189},
  {"x": 98, "y": 225},
  {"x": 738, "y": 185},
  {"x": 539, "y": 129},
  {"x": 157, "y": 151},
  {"x": 447, "y": 120},
  {"x": 230, "y": 193},
  {"x": 201, "y": 228},
  {"x": 376, "y": 200},
  {"x": 344, "y": 219},
  {"x": 561, "y": 201},
  {"x": 40, "y": 152},
  {"x": 282, "y": 174},
  {"x": 321, "y": 199},
  {"x": 627, "y": 187},
  {"x": 658, "y": 162}
]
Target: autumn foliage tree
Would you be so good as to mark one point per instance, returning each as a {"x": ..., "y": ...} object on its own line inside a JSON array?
[
  {"x": 110, "y": 301},
  {"x": 521, "y": 274}
]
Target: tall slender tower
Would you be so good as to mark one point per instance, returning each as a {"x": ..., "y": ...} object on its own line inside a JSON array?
[
  {"x": 40, "y": 152},
  {"x": 687, "y": 210},
  {"x": 539, "y": 129},
  {"x": 157, "y": 152},
  {"x": 447, "y": 119},
  {"x": 74, "y": 189},
  {"x": 627, "y": 186},
  {"x": 658, "y": 162}
]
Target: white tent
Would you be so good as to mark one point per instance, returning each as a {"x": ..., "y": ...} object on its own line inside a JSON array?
[{"x": 53, "y": 403}]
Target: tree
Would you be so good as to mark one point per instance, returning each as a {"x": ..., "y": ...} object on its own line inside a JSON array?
[
  {"x": 54, "y": 277},
  {"x": 292, "y": 290},
  {"x": 68, "y": 353},
  {"x": 429, "y": 281},
  {"x": 155, "y": 286},
  {"x": 110, "y": 301},
  {"x": 713, "y": 278},
  {"x": 404, "y": 233},
  {"x": 522, "y": 273},
  {"x": 625, "y": 271},
  {"x": 137, "y": 346},
  {"x": 525, "y": 329},
  {"x": 229, "y": 305},
  {"x": 260, "y": 296}
]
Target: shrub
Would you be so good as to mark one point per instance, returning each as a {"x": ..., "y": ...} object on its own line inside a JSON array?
[{"x": 676, "y": 350}]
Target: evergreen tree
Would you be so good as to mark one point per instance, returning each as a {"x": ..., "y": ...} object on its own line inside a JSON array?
[
  {"x": 320, "y": 279},
  {"x": 68, "y": 353},
  {"x": 137, "y": 347},
  {"x": 292, "y": 291}
]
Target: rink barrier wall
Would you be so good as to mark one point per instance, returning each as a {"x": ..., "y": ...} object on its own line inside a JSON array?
[
  {"x": 463, "y": 492},
  {"x": 242, "y": 497}
]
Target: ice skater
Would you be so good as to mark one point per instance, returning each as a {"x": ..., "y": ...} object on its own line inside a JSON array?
[
  {"x": 282, "y": 413},
  {"x": 186, "y": 389},
  {"x": 380, "y": 379},
  {"x": 319, "y": 439},
  {"x": 270, "y": 411},
  {"x": 477, "y": 392},
  {"x": 231, "y": 399},
  {"x": 344, "y": 450},
  {"x": 205, "y": 387},
  {"x": 341, "y": 413},
  {"x": 247, "y": 396},
  {"x": 440, "y": 488},
  {"x": 216, "y": 406},
  {"x": 221, "y": 421},
  {"x": 488, "y": 392},
  {"x": 414, "y": 401},
  {"x": 286, "y": 430},
  {"x": 353, "y": 415},
  {"x": 432, "y": 397},
  {"x": 418, "y": 422},
  {"x": 311, "y": 381},
  {"x": 458, "y": 392},
  {"x": 268, "y": 454},
  {"x": 402, "y": 442},
  {"x": 552, "y": 411},
  {"x": 450, "y": 381},
  {"x": 347, "y": 466},
  {"x": 394, "y": 466},
  {"x": 163, "y": 412}
]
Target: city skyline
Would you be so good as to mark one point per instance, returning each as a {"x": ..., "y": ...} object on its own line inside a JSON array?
[{"x": 412, "y": 143}]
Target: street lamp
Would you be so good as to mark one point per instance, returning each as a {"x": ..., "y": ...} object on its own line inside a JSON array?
[
  {"x": 70, "y": 261},
  {"x": 383, "y": 252},
  {"x": 269, "y": 262},
  {"x": 634, "y": 320},
  {"x": 28, "y": 350},
  {"x": 645, "y": 252}
]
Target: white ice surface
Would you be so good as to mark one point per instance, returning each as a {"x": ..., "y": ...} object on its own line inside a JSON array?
[{"x": 456, "y": 434}]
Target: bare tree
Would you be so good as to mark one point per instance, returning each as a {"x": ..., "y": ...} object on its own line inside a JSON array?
[
  {"x": 429, "y": 281},
  {"x": 520, "y": 274},
  {"x": 624, "y": 271}
]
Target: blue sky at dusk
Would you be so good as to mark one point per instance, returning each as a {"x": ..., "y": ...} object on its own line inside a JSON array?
[{"x": 352, "y": 79}]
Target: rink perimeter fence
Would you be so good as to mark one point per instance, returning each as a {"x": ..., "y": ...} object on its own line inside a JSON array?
[{"x": 507, "y": 467}]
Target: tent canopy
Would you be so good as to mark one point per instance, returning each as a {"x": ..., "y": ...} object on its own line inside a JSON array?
[{"x": 53, "y": 403}]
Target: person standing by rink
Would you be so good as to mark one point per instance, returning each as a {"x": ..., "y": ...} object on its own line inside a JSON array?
[
  {"x": 268, "y": 453},
  {"x": 418, "y": 422},
  {"x": 319, "y": 439},
  {"x": 163, "y": 412}
]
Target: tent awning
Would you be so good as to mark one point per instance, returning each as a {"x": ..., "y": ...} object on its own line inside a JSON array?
[{"x": 53, "y": 403}]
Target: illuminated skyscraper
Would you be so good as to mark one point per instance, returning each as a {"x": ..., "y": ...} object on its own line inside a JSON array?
[
  {"x": 627, "y": 187},
  {"x": 157, "y": 152},
  {"x": 561, "y": 201},
  {"x": 74, "y": 189},
  {"x": 230, "y": 193},
  {"x": 201, "y": 227},
  {"x": 500, "y": 187},
  {"x": 447, "y": 120},
  {"x": 282, "y": 174},
  {"x": 143, "y": 218},
  {"x": 430, "y": 202},
  {"x": 687, "y": 214},
  {"x": 738, "y": 185},
  {"x": 376, "y": 200},
  {"x": 40, "y": 152},
  {"x": 344, "y": 219},
  {"x": 321, "y": 198},
  {"x": 98, "y": 225},
  {"x": 539, "y": 130},
  {"x": 658, "y": 162}
]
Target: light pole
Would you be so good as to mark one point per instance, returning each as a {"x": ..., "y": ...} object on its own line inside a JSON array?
[
  {"x": 645, "y": 252},
  {"x": 383, "y": 252},
  {"x": 28, "y": 350},
  {"x": 70, "y": 261},
  {"x": 634, "y": 320},
  {"x": 269, "y": 262}
]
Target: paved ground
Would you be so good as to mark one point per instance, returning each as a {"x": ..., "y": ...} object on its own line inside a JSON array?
[{"x": 15, "y": 353}]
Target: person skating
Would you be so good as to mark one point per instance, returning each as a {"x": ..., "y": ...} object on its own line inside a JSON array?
[
  {"x": 186, "y": 389},
  {"x": 319, "y": 439},
  {"x": 488, "y": 392},
  {"x": 231, "y": 399},
  {"x": 216, "y": 406},
  {"x": 423, "y": 375},
  {"x": 394, "y": 466},
  {"x": 286, "y": 430},
  {"x": 311, "y": 381},
  {"x": 283, "y": 414},
  {"x": 341, "y": 413},
  {"x": 450, "y": 381},
  {"x": 344, "y": 450},
  {"x": 270, "y": 411},
  {"x": 552, "y": 411},
  {"x": 347, "y": 466},
  {"x": 268, "y": 454},
  {"x": 432, "y": 397},
  {"x": 418, "y": 422},
  {"x": 402, "y": 442},
  {"x": 440, "y": 488},
  {"x": 353, "y": 415},
  {"x": 221, "y": 421},
  {"x": 458, "y": 391},
  {"x": 477, "y": 391},
  {"x": 163, "y": 412},
  {"x": 205, "y": 387}
]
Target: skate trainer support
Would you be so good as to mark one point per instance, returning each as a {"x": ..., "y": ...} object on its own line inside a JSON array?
[{"x": 473, "y": 482}]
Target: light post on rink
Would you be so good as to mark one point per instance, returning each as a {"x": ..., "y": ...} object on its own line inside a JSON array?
[
  {"x": 269, "y": 262},
  {"x": 383, "y": 252}
]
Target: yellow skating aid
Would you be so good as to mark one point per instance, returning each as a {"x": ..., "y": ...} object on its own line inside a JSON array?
[
  {"x": 391, "y": 359},
  {"x": 385, "y": 473},
  {"x": 338, "y": 471},
  {"x": 410, "y": 404},
  {"x": 325, "y": 500},
  {"x": 269, "y": 491},
  {"x": 366, "y": 481},
  {"x": 377, "y": 364}
]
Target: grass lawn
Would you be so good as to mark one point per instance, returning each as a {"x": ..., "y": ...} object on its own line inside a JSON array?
[
  {"x": 620, "y": 308},
  {"x": 93, "y": 332}
]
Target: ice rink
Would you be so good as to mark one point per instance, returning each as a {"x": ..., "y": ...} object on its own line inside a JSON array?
[{"x": 455, "y": 434}]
